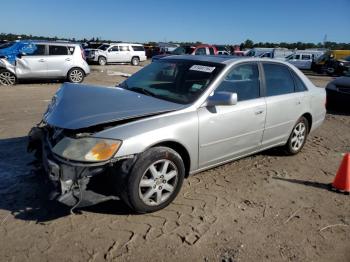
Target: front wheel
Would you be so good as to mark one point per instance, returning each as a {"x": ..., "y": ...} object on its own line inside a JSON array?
[
  {"x": 155, "y": 180},
  {"x": 298, "y": 137},
  {"x": 7, "y": 78},
  {"x": 102, "y": 61},
  {"x": 76, "y": 75}
]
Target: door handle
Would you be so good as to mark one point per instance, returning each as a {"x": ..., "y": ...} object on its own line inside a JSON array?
[
  {"x": 41, "y": 60},
  {"x": 298, "y": 102},
  {"x": 68, "y": 59},
  {"x": 259, "y": 112}
]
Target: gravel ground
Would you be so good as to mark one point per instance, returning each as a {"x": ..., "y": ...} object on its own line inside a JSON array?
[{"x": 267, "y": 207}]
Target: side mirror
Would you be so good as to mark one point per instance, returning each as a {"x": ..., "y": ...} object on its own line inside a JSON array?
[{"x": 222, "y": 99}]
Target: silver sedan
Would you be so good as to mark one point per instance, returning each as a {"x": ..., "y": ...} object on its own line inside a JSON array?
[{"x": 174, "y": 118}]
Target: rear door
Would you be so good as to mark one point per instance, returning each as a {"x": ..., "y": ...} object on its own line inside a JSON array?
[
  {"x": 125, "y": 53},
  {"x": 284, "y": 104},
  {"x": 33, "y": 65},
  {"x": 59, "y": 60}
]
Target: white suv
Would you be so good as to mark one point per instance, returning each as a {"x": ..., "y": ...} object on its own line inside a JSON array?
[{"x": 117, "y": 53}]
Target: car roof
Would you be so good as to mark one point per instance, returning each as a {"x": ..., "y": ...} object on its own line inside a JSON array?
[
  {"x": 123, "y": 44},
  {"x": 63, "y": 43},
  {"x": 221, "y": 59}
]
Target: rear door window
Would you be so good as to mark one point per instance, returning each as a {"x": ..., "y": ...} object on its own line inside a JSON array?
[
  {"x": 279, "y": 80},
  {"x": 58, "y": 50},
  {"x": 123, "y": 48},
  {"x": 243, "y": 80}
]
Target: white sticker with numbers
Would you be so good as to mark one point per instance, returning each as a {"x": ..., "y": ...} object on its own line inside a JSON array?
[{"x": 201, "y": 68}]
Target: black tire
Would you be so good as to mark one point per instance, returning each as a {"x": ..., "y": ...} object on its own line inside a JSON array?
[
  {"x": 135, "y": 61},
  {"x": 291, "y": 147},
  {"x": 7, "y": 78},
  {"x": 76, "y": 75},
  {"x": 102, "y": 60},
  {"x": 133, "y": 191}
]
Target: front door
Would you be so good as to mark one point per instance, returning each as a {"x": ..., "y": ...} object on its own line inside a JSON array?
[
  {"x": 113, "y": 55},
  {"x": 32, "y": 65},
  {"x": 226, "y": 132}
]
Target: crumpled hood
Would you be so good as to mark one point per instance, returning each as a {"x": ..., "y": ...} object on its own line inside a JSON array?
[{"x": 77, "y": 106}]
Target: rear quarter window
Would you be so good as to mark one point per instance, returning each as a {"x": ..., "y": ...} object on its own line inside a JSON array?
[
  {"x": 299, "y": 84},
  {"x": 138, "y": 48}
]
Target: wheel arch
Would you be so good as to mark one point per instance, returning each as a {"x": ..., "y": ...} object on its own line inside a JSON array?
[
  {"x": 308, "y": 117},
  {"x": 76, "y": 67},
  {"x": 181, "y": 150}
]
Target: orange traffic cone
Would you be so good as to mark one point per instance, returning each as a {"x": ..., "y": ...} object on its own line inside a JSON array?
[{"x": 341, "y": 181}]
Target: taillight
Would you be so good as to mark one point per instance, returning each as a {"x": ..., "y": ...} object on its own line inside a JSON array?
[{"x": 82, "y": 53}]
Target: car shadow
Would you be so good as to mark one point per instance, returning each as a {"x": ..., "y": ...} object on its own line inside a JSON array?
[
  {"x": 339, "y": 112},
  {"x": 24, "y": 191},
  {"x": 41, "y": 81},
  {"x": 314, "y": 184}
]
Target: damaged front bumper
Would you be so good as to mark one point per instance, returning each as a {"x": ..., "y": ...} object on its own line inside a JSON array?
[{"x": 75, "y": 184}]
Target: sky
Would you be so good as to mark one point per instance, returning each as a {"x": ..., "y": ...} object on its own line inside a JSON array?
[{"x": 213, "y": 22}]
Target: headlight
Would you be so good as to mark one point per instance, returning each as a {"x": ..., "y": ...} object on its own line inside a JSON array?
[
  {"x": 87, "y": 149},
  {"x": 341, "y": 64}
]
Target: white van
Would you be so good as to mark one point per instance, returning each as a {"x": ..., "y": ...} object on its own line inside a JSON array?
[{"x": 117, "y": 53}]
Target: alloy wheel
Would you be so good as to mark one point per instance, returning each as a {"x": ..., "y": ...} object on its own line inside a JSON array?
[
  {"x": 298, "y": 136},
  {"x": 158, "y": 182},
  {"x": 76, "y": 76},
  {"x": 7, "y": 78}
]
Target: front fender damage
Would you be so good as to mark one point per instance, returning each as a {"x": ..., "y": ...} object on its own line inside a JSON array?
[{"x": 78, "y": 184}]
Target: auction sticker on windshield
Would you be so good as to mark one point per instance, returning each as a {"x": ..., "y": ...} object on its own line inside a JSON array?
[{"x": 201, "y": 68}]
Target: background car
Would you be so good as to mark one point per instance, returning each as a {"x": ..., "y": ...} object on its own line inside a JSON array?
[
  {"x": 50, "y": 60},
  {"x": 190, "y": 50},
  {"x": 338, "y": 93},
  {"x": 117, "y": 53},
  {"x": 175, "y": 117}
]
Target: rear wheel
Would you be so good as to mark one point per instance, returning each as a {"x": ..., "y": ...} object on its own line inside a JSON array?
[
  {"x": 102, "y": 60},
  {"x": 298, "y": 137},
  {"x": 76, "y": 75},
  {"x": 155, "y": 180},
  {"x": 7, "y": 78},
  {"x": 135, "y": 61}
]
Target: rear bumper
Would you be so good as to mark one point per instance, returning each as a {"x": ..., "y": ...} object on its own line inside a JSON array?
[{"x": 72, "y": 182}]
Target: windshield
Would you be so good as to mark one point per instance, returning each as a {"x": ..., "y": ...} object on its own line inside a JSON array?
[
  {"x": 177, "y": 81},
  {"x": 103, "y": 47},
  {"x": 347, "y": 58},
  {"x": 6, "y": 45},
  {"x": 179, "y": 51}
]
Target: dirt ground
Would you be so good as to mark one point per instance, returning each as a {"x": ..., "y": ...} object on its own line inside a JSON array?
[{"x": 267, "y": 207}]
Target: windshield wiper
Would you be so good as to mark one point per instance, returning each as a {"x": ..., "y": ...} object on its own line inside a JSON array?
[{"x": 141, "y": 90}]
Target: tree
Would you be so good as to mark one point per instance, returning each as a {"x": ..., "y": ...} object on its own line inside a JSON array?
[{"x": 248, "y": 43}]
